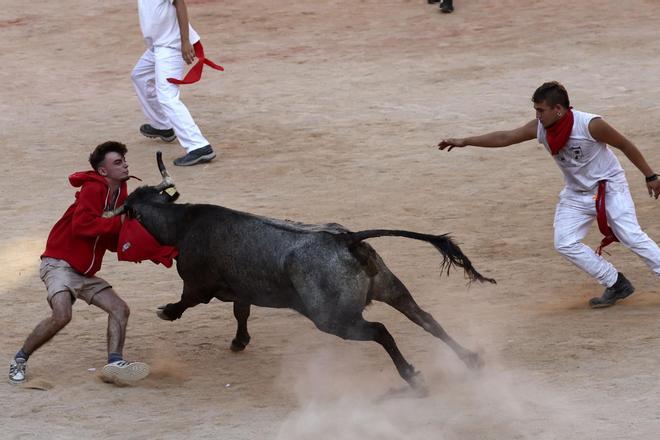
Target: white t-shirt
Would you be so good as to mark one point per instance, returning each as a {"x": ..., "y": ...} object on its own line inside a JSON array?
[
  {"x": 584, "y": 161},
  {"x": 159, "y": 24}
]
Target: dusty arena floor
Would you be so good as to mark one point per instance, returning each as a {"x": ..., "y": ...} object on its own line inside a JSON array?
[{"x": 330, "y": 111}]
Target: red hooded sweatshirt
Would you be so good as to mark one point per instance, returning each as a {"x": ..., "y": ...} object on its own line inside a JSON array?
[{"x": 82, "y": 236}]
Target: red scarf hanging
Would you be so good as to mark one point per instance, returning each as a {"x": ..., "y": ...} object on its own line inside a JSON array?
[
  {"x": 195, "y": 73},
  {"x": 601, "y": 218},
  {"x": 137, "y": 244},
  {"x": 559, "y": 132}
]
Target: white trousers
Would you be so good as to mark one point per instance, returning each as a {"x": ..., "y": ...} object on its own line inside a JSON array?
[
  {"x": 160, "y": 99},
  {"x": 576, "y": 212}
]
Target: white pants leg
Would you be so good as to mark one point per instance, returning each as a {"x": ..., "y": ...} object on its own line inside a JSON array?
[
  {"x": 623, "y": 221},
  {"x": 574, "y": 215},
  {"x": 170, "y": 64},
  {"x": 144, "y": 82},
  {"x": 167, "y": 63},
  {"x": 576, "y": 212}
]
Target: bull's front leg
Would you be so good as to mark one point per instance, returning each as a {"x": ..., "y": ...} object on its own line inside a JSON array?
[
  {"x": 189, "y": 298},
  {"x": 242, "y": 339},
  {"x": 170, "y": 312}
]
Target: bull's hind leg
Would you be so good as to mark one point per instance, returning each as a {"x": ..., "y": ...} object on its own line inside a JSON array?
[
  {"x": 358, "y": 329},
  {"x": 397, "y": 295},
  {"x": 242, "y": 339}
]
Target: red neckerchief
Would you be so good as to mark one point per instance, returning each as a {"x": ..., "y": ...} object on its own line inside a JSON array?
[
  {"x": 559, "y": 132},
  {"x": 195, "y": 73},
  {"x": 137, "y": 244},
  {"x": 601, "y": 218}
]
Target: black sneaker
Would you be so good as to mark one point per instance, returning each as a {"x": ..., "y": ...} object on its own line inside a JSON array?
[
  {"x": 164, "y": 135},
  {"x": 620, "y": 290},
  {"x": 430, "y": 2},
  {"x": 447, "y": 6},
  {"x": 200, "y": 155}
]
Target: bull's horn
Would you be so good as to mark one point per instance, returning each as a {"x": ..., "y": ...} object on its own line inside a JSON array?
[
  {"x": 161, "y": 165},
  {"x": 167, "y": 180},
  {"x": 114, "y": 212}
]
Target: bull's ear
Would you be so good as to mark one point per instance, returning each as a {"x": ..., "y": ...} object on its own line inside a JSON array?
[{"x": 172, "y": 193}]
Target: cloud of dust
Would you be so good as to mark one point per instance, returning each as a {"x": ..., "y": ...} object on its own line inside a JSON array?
[
  {"x": 166, "y": 364},
  {"x": 340, "y": 399}
]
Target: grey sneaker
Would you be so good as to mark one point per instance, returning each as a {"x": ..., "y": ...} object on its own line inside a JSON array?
[
  {"x": 200, "y": 155},
  {"x": 620, "y": 290},
  {"x": 166, "y": 135},
  {"x": 447, "y": 6},
  {"x": 125, "y": 372},
  {"x": 17, "y": 371}
]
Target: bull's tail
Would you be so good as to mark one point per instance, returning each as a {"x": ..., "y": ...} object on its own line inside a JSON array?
[{"x": 451, "y": 253}]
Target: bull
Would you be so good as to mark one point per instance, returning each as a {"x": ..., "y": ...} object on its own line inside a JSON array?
[{"x": 323, "y": 271}]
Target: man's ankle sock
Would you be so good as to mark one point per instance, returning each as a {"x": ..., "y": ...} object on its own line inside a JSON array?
[{"x": 114, "y": 357}]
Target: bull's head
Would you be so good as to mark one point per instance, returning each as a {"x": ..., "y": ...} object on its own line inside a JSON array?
[{"x": 164, "y": 192}]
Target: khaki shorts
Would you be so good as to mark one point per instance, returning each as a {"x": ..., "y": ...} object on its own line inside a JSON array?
[{"x": 59, "y": 276}]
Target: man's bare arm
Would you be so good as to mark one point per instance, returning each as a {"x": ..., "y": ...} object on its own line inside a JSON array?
[
  {"x": 604, "y": 132},
  {"x": 495, "y": 139},
  {"x": 182, "y": 17}
]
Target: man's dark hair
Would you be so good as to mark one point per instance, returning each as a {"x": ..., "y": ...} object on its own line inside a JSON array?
[
  {"x": 101, "y": 150},
  {"x": 552, "y": 93}
]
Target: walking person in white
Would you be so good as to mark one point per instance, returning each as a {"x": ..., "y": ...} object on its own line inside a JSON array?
[
  {"x": 170, "y": 39},
  {"x": 578, "y": 143}
]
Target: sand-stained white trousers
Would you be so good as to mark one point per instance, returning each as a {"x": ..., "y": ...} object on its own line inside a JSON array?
[
  {"x": 160, "y": 99},
  {"x": 575, "y": 213}
]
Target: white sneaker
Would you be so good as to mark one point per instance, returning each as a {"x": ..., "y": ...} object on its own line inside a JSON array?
[
  {"x": 125, "y": 372},
  {"x": 17, "y": 371}
]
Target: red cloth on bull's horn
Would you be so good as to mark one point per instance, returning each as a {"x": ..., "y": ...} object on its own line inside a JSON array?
[
  {"x": 195, "y": 73},
  {"x": 137, "y": 244}
]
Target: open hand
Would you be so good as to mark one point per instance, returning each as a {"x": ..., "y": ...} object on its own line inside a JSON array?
[{"x": 451, "y": 143}]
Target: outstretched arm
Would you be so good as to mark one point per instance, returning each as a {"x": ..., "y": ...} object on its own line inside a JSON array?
[
  {"x": 604, "y": 132},
  {"x": 494, "y": 139},
  {"x": 182, "y": 17}
]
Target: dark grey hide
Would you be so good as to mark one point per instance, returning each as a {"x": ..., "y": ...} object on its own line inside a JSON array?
[{"x": 325, "y": 272}]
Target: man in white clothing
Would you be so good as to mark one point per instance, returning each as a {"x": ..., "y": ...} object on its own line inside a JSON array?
[
  {"x": 578, "y": 142},
  {"x": 170, "y": 39}
]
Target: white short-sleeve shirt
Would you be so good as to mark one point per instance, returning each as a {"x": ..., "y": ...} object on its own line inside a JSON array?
[
  {"x": 584, "y": 161},
  {"x": 159, "y": 24}
]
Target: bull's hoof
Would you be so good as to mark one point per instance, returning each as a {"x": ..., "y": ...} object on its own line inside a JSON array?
[
  {"x": 417, "y": 381},
  {"x": 238, "y": 345},
  {"x": 162, "y": 314},
  {"x": 474, "y": 361}
]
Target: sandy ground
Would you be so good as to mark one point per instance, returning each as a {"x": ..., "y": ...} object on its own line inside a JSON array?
[{"x": 329, "y": 111}]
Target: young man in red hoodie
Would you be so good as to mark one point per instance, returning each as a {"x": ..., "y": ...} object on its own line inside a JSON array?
[{"x": 74, "y": 252}]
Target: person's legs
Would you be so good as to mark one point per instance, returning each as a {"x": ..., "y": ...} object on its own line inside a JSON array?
[
  {"x": 117, "y": 369},
  {"x": 170, "y": 64},
  {"x": 61, "y": 304},
  {"x": 144, "y": 82},
  {"x": 623, "y": 221},
  {"x": 574, "y": 215},
  {"x": 118, "y": 313}
]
